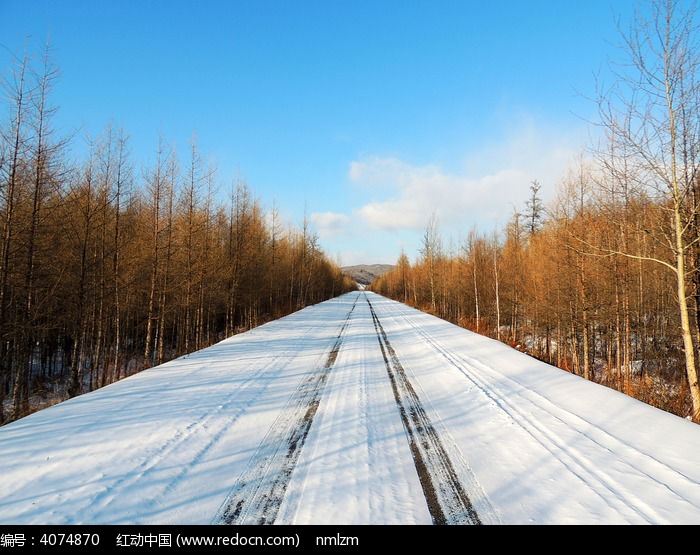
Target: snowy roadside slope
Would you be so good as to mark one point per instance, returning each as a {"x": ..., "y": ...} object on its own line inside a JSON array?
[
  {"x": 358, "y": 410},
  {"x": 165, "y": 445},
  {"x": 549, "y": 447}
]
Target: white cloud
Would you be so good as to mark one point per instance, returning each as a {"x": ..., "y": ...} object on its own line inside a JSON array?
[
  {"x": 329, "y": 224},
  {"x": 397, "y": 197},
  {"x": 495, "y": 182},
  {"x": 379, "y": 172},
  {"x": 419, "y": 192}
]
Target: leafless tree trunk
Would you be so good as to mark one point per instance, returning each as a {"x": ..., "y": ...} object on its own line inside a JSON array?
[
  {"x": 165, "y": 274},
  {"x": 659, "y": 99},
  {"x": 156, "y": 193},
  {"x": 85, "y": 196},
  {"x": 431, "y": 250},
  {"x": 190, "y": 207},
  {"x": 203, "y": 297},
  {"x": 120, "y": 180},
  {"x": 16, "y": 150},
  {"x": 42, "y": 155}
]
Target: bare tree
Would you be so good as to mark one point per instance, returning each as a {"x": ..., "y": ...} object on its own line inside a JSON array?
[
  {"x": 156, "y": 186},
  {"x": 472, "y": 250},
  {"x": 431, "y": 251},
  {"x": 15, "y": 139},
  {"x": 653, "y": 115},
  {"x": 496, "y": 285},
  {"x": 84, "y": 198},
  {"x": 122, "y": 178},
  {"x": 191, "y": 192},
  {"x": 163, "y": 301}
]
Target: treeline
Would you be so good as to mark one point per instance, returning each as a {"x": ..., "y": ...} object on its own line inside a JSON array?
[
  {"x": 610, "y": 319},
  {"x": 606, "y": 282},
  {"x": 104, "y": 272}
]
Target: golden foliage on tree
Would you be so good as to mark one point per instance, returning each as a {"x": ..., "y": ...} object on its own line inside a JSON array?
[
  {"x": 104, "y": 272},
  {"x": 607, "y": 285}
]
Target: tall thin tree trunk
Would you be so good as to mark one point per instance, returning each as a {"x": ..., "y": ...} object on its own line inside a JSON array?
[
  {"x": 166, "y": 270},
  {"x": 498, "y": 297},
  {"x": 77, "y": 358},
  {"x": 476, "y": 295},
  {"x": 116, "y": 371},
  {"x": 6, "y": 347},
  {"x": 155, "y": 234}
]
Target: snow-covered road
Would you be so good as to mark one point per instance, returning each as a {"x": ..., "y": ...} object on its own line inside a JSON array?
[{"x": 359, "y": 410}]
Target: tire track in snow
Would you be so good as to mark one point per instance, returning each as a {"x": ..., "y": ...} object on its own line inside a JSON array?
[
  {"x": 200, "y": 427},
  {"x": 550, "y": 440},
  {"x": 445, "y": 495},
  {"x": 208, "y": 427},
  {"x": 258, "y": 494}
]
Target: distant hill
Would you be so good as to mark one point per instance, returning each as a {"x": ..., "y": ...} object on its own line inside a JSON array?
[{"x": 364, "y": 274}]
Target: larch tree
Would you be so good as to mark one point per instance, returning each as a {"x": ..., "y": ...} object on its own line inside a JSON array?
[
  {"x": 121, "y": 184},
  {"x": 156, "y": 189},
  {"x": 190, "y": 206},
  {"x": 84, "y": 198},
  {"x": 431, "y": 250},
  {"x": 165, "y": 275},
  {"x": 14, "y": 154}
]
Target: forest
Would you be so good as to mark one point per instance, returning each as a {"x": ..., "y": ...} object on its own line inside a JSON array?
[
  {"x": 604, "y": 281},
  {"x": 106, "y": 271}
]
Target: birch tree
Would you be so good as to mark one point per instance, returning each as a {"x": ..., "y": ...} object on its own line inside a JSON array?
[{"x": 653, "y": 114}]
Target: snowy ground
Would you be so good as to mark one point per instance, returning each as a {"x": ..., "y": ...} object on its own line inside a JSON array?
[{"x": 358, "y": 410}]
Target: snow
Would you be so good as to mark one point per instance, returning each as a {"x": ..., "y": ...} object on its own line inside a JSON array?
[{"x": 333, "y": 415}]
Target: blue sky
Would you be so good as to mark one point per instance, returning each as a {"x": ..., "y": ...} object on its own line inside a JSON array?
[{"x": 365, "y": 117}]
